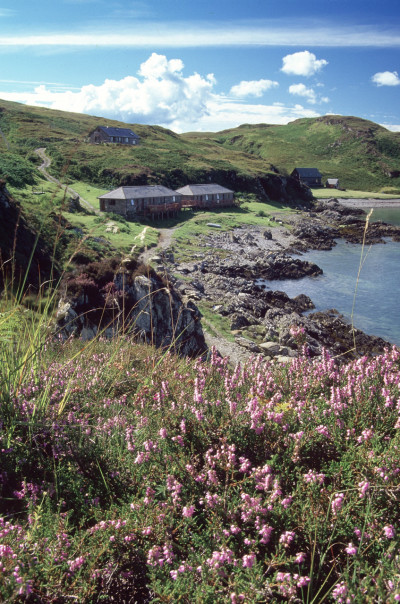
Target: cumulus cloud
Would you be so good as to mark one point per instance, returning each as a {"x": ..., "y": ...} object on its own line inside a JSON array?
[
  {"x": 386, "y": 78},
  {"x": 308, "y": 93},
  {"x": 303, "y": 63},
  {"x": 162, "y": 94},
  {"x": 252, "y": 88}
]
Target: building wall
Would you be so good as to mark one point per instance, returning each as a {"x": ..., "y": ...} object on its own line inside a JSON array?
[{"x": 118, "y": 206}]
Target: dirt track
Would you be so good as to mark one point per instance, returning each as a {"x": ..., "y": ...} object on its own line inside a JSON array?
[{"x": 46, "y": 161}]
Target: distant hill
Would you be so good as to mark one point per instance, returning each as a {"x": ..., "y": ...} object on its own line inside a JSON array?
[
  {"x": 162, "y": 157},
  {"x": 363, "y": 155}
]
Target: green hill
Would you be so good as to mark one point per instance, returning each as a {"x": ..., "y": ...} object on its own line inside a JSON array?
[
  {"x": 362, "y": 154},
  {"x": 162, "y": 156}
]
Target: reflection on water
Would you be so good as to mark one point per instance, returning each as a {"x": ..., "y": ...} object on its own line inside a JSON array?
[{"x": 376, "y": 309}]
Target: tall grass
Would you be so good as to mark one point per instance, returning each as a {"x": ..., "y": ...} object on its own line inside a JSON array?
[{"x": 130, "y": 475}]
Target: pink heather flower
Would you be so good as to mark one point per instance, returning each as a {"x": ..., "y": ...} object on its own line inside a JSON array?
[
  {"x": 337, "y": 503},
  {"x": 389, "y": 531},
  {"x": 351, "y": 549},
  {"x": 248, "y": 560},
  {"x": 303, "y": 581},
  {"x": 75, "y": 564},
  {"x": 363, "y": 486},
  {"x": 286, "y": 502},
  {"x": 300, "y": 557},
  {"x": 188, "y": 511},
  {"x": 286, "y": 538},
  {"x": 163, "y": 433},
  {"x": 174, "y": 574},
  {"x": 340, "y": 592},
  {"x": 265, "y": 533}
]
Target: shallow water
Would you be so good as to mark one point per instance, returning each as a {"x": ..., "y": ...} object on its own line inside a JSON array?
[
  {"x": 389, "y": 215},
  {"x": 376, "y": 297}
]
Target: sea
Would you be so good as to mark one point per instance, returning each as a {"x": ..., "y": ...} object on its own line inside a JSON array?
[{"x": 363, "y": 285}]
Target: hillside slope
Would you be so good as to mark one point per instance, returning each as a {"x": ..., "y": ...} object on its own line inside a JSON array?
[
  {"x": 362, "y": 154},
  {"x": 162, "y": 157}
]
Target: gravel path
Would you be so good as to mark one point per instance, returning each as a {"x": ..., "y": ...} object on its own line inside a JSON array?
[{"x": 163, "y": 243}]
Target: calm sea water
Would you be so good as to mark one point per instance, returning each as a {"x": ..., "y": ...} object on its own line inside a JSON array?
[{"x": 377, "y": 299}]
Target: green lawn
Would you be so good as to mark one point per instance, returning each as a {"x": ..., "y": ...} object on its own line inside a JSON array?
[{"x": 88, "y": 192}]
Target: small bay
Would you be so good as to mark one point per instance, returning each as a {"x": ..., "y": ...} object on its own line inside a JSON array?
[{"x": 375, "y": 293}]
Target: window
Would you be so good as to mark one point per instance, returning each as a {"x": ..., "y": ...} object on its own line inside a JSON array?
[
  {"x": 132, "y": 202},
  {"x": 206, "y": 197},
  {"x": 173, "y": 198},
  {"x": 112, "y": 202}
]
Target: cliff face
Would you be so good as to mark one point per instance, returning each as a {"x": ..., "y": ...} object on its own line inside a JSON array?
[
  {"x": 25, "y": 257},
  {"x": 140, "y": 305}
]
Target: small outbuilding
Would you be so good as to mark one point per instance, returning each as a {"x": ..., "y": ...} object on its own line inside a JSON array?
[
  {"x": 105, "y": 134},
  {"x": 311, "y": 177},
  {"x": 206, "y": 196},
  {"x": 147, "y": 200},
  {"x": 332, "y": 183}
]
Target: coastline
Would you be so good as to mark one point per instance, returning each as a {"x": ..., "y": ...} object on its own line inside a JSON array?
[
  {"x": 263, "y": 321},
  {"x": 369, "y": 203}
]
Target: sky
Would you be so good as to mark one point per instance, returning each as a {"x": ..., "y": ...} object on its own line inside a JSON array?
[{"x": 204, "y": 65}]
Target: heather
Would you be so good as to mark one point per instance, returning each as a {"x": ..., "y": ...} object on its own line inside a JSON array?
[{"x": 131, "y": 475}]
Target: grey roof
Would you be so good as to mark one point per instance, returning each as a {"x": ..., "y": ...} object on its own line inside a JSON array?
[
  {"x": 210, "y": 189},
  {"x": 118, "y": 131},
  {"x": 139, "y": 192},
  {"x": 309, "y": 172}
]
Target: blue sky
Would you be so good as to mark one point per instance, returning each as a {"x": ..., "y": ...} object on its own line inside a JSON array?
[{"x": 205, "y": 65}]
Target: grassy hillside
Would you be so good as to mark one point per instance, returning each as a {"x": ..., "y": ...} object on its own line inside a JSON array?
[
  {"x": 362, "y": 154},
  {"x": 162, "y": 157},
  {"x": 358, "y": 152}
]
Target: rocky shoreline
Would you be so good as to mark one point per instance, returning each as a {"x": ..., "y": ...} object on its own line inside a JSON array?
[{"x": 269, "y": 322}]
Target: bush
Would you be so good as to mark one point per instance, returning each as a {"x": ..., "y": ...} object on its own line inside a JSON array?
[
  {"x": 130, "y": 474},
  {"x": 17, "y": 171}
]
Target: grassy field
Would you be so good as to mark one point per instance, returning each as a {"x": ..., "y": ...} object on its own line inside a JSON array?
[{"x": 89, "y": 192}]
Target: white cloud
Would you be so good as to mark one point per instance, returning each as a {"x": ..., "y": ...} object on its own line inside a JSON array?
[
  {"x": 162, "y": 94},
  {"x": 308, "y": 93},
  {"x": 386, "y": 78},
  {"x": 303, "y": 63},
  {"x": 207, "y": 34},
  {"x": 252, "y": 88},
  {"x": 392, "y": 127}
]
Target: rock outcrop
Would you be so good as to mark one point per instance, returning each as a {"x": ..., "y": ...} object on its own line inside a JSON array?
[{"x": 141, "y": 305}]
